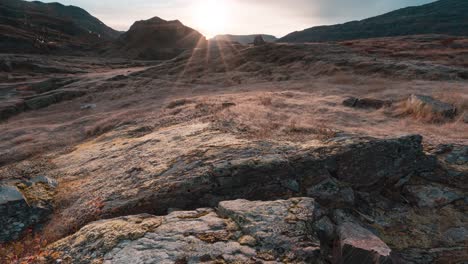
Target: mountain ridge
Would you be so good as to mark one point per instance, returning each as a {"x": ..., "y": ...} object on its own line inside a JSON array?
[
  {"x": 36, "y": 27},
  {"x": 244, "y": 39},
  {"x": 440, "y": 17}
]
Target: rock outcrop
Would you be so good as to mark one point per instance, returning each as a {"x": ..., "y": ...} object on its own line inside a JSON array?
[
  {"x": 24, "y": 205},
  {"x": 237, "y": 231}
]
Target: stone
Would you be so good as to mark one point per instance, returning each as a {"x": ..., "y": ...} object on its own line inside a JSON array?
[
  {"x": 247, "y": 240},
  {"x": 88, "y": 106},
  {"x": 366, "y": 103},
  {"x": 358, "y": 245},
  {"x": 417, "y": 101},
  {"x": 26, "y": 205},
  {"x": 431, "y": 196}
]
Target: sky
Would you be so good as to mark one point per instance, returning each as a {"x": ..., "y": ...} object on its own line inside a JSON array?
[{"x": 211, "y": 17}]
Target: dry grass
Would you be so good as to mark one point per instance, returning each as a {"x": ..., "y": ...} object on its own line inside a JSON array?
[
  {"x": 419, "y": 112},
  {"x": 29, "y": 250}
]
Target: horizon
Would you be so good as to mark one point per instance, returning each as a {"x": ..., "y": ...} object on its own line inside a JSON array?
[{"x": 239, "y": 17}]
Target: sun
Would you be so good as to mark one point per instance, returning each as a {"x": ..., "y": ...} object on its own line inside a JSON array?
[{"x": 210, "y": 16}]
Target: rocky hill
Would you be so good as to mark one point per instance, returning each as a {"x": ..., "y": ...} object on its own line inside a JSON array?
[
  {"x": 244, "y": 39},
  {"x": 36, "y": 27},
  {"x": 157, "y": 39},
  {"x": 441, "y": 17}
]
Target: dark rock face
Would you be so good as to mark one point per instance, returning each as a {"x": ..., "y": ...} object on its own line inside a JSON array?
[
  {"x": 441, "y": 17},
  {"x": 156, "y": 39},
  {"x": 24, "y": 205},
  {"x": 432, "y": 195},
  {"x": 35, "y": 27},
  {"x": 366, "y": 103},
  {"x": 417, "y": 101}
]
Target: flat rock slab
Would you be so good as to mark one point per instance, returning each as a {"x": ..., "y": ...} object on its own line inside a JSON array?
[{"x": 239, "y": 232}]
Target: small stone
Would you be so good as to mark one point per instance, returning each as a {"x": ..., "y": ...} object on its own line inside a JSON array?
[{"x": 248, "y": 241}]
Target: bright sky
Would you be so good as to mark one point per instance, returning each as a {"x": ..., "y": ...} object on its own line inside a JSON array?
[{"x": 212, "y": 17}]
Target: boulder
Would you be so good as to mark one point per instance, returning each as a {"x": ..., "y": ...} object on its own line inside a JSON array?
[
  {"x": 24, "y": 205},
  {"x": 366, "y": 103},
  {"x": 239, "y": 232},
  {"x": 419, "y": 102},
  {"x": 358, "y": 245}
]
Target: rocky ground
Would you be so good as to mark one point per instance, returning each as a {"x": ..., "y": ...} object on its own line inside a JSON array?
[{"x": 338, "y": 154}]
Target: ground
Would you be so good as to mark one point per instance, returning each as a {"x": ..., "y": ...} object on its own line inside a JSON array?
[{"x": 148, "y": 137}]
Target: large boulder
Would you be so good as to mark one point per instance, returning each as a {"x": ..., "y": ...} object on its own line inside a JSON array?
[
  {"x": 239, "y": 232},
  {"x": 24, "y": 205}
]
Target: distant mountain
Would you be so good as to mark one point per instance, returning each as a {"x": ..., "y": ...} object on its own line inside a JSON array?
[
  {"x": 448, "y": 17},
  {"x": 244, "y": 39},
  {"x": 157, "y": 39},
  {"x": 40, "y": 28}
]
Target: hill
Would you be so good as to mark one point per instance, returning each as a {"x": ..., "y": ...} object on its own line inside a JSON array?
[
  {"x": 36, "y": 27},
  {"x": 441, "y": 17},
  {"x": 244, "y": 39},
  {"x": 157, "y": 39}
]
